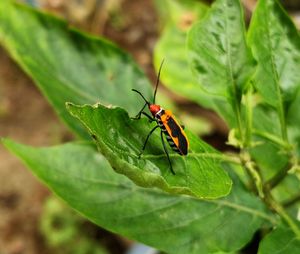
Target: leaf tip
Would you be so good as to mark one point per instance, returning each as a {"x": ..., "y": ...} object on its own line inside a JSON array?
[{"x": 71, "y": 107}]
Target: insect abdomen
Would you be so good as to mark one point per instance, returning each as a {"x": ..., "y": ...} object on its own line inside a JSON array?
[
  {"x": 172, "y": 144},
  {"x": 169, "y": 138}
]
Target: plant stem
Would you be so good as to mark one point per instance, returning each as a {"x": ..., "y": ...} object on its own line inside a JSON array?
[
  {"x": 265, "y": 192},
  {"x": 274, "y": 139},
  {"x": 250, "y": 167},
  {"x": 237, "y": 111},
  {"x": 291, "y": 201},
  {"x": 275, "y": 180},
  {"x": 283, "y": 214},
  {"x": 293, "y": 163},
  {"x": 249, "y": 115}
]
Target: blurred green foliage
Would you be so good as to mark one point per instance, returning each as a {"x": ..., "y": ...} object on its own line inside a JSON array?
[{"x": 65, "y": 231}]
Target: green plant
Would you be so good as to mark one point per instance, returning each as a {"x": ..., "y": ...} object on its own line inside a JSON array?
[
  {"x": 64, "y": 230},
  {"x": 249, "y": 77}
]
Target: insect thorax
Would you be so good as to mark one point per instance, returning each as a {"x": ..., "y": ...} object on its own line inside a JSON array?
[
  {"x": 159, "y": 114},
  {"x": 158, "y": 119}
]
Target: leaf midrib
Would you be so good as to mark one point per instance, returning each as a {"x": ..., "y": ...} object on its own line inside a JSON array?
[
  {"x": 245, "y": 209},
  {"x": 276, "y": 78},
  {"x": 205, "y": 155},
  {"x": 152, "y": 191},
  {"x": 183, "y": 225},
  {"x": 229, "y": 60}
]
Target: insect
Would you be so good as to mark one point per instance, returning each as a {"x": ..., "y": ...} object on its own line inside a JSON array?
[{"x": 167, "y": 123}]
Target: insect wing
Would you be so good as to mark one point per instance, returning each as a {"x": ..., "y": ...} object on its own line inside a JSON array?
[{"x": 177, "y": 134}]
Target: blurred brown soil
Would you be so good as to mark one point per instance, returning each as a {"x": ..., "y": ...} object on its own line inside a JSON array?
[{"x": 26, "y": 117}]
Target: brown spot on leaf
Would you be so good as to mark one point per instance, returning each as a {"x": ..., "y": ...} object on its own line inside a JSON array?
[{"x": 186, "y": 20}]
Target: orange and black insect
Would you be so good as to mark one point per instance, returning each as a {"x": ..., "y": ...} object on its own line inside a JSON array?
[{"x": 167, "y": 123}]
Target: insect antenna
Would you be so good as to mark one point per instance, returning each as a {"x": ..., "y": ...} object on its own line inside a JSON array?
[
  {"x": 148, "y": 103},
  {"x": 157, "y": 81}
]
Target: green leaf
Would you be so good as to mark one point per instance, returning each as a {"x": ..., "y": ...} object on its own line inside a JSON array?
[
  {"x": 68, "y": 65},
  {"x": 263, "y": 150},
  {"x": 293, "y": 118},
  {"x": 121, "y": 139},
  {"x": 264, "y": 155},
  {"x": 293, "y": 121},
  {"x": 275, "y": 43},
  {"x": 176, "y": 73},
  {"x": 288, "y": 188},
  {"x": 218, "y": 50},
  {"x": 171, "y": 46},
  {"x": 282, "y": 240},
  {"x": 175, "y": 224},
  {"x": 265, "y": 119}
]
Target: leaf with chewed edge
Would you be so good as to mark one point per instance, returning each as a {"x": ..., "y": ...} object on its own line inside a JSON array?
[{"x": 120, "y": 140}]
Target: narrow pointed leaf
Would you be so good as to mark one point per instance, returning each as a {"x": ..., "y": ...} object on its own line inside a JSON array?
[
  {"x": 120, "y": 139},
  {"x": 275, "y": 43},
  {"x": 175, "y": 224},
  {"x": 68, "y": 65},
  {"x": 219, "y": 54},
  {"x": 281, "y": 240}
]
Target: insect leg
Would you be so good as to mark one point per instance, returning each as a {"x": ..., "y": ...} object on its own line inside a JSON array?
[
  {"x": 151, "y": 119},
  {"x": 166, "y": 151},
  {"x": 146, "y": 141},
  {"x": 138, "y": 116}
]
